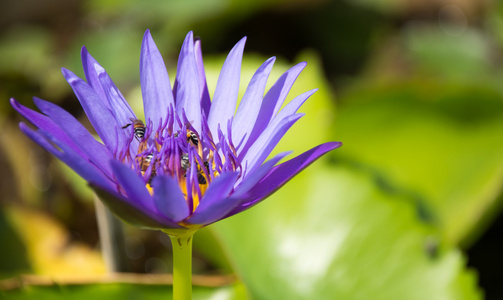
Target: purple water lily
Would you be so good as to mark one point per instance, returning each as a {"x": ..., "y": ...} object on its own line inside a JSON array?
[{"x": 193, "y": 161}]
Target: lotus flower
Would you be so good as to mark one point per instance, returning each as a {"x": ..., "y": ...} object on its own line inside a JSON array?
[{"x": 194, "y": 161}]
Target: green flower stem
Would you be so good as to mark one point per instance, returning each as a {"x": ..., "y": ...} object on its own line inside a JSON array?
[{"x": 182, "y": 266}]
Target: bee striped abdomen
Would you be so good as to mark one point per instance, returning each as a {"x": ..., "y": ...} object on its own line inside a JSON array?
[
  {"x": 192, "y": 138},
  {"x": 138, "y": 128},
  {"x": 139, "y": 131}
]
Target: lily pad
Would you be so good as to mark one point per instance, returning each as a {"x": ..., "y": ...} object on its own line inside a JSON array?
[
  {"x": 440, "y": 142},
  {"x": 340, "y": 230},
  {"x": 333, "y": 233}
]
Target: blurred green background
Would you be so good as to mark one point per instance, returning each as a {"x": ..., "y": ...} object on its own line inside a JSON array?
[{"x": 408, "y": 208}]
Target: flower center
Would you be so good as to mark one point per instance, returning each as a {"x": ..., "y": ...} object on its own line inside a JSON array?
[{"x": 176, "y": 149}]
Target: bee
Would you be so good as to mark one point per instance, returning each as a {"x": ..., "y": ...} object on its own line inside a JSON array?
[
  {"x": 145, "y": 162},
  {"x": 139, "y": 128},
  {"x": 185, "y": 164},
  {"x": 200, "y": 178},
  {"x": 192, "y": 138}
]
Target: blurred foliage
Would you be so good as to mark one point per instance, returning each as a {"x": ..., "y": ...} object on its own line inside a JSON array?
[
  {"x": 48, "y": 248},
  {"x": 387, "y": 216},
  {"x": 123, "y": 291},
  {"x": 341, "y": 240},
  {"x": 453, "y": 147}
]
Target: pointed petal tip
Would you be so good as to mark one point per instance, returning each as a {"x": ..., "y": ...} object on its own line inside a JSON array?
[
  {"x": 301, "y": 65},
  {"x": 24, "y": 127},
  {"x": 189, "y": 39},
  {"x": 188, "y": 43},
  {"x": 83, "y": 50},
  {"x": 283, "y": 172},
  {"x": 16, "y": 105},
  {"x": 66, "y": 72},
  {"x": 239, "y": 45},
  {"x": 268, "y": 64},
  {"x": 43, "y": 105},
  {"x": 307, "y": 95},
  {"x": 329, "y": 146},
  {"x": 298, "y": 68},
  {"x": 13, "y": 102},
  {"x": 147, "y": 36},
  {"x": 85, "y": 56},
  {"x": 284, "y": 154},
  {"x": 39, "y": 102},
  {"x": 88, "y": 61},
  {"x": 69, "y": 75},
  {"x": 190, "y": 35}
]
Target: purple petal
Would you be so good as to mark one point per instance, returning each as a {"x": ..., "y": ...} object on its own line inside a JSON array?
[
  {"x": 281, "y": 174},
  {"x": 129, "y": 212},
  {"x": 118, "y": 104},
  {"x": 46, "y": 124},
  {"x": 97, "y": 152},
  {"x": 263, "y": 146},
  {"x": 288, "y": 111},
  {"x": 112, "y": 98},
  {"x": 203, "y": 87},
  {"x": 273, "y": 101},
  {"x": 78, "y": 163},
  {"x": 95, "y": 108},
  {"x": 155, "y": 84},
  {"x": 169, "y": 199},
  {"x": 249, "y": 106},
  {"x": 281, "y": 91},
  {"x": 251, "y": 180},
  {"x": 213, "y": 204},
  {"x": 104, "y": 87},
  {"x": 187, "y": 95},
  {"x": 291, "y": 108},
  {"x": 89, "y": 63},
  {"x": 134, "y": 187},
  {"x": 120, "y": 109},
  {"x": 224, "y": 101}
]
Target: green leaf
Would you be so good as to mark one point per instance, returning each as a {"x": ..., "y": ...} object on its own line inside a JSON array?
[
  {"x": 435, "y": 51},
  {"x": 442, "y": 143},
  {"x": 13, "y": 256},
  {"x": 312, "y": 128},
  {"x": 211, "y": 249},
  {"x": 334, "y": 233},
  {"x": 339, "y": 232}
]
